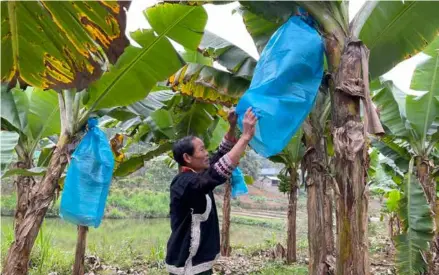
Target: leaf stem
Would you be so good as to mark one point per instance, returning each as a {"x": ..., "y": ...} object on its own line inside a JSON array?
[{"x": 69, "y": 98}]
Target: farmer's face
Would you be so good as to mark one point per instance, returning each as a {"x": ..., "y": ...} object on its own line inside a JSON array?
[{"x": 199, "y": 161}]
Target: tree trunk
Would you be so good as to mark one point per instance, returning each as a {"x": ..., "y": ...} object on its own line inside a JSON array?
[
  {"x": 429, "y": 186},
  {"x": 391, "y": 229},
  {"x": 319, "y": 202},
  {"x": 320, "y": 222},
  {"x": 350, "y": 163},
  {"x": 225, "y": 230},
  {"x": 316, "y": 214},
  {"x": 398, "y": 225},
  {"x": 329, "y": 221},
  {"x": 436, "y": 217},
  {"x": 292, "y": 208},
  {"x": 17, "y": 258},
  {"x": 23, "y": 185},
  {"x": 337, "y": 234},
  {"x": 78, "y": 267}
]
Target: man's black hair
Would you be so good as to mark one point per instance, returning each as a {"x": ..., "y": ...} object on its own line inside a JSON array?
[{"x": 181, "y": 147}]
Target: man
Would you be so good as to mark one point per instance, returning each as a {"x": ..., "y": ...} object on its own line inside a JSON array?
[{"x": 194, "y": 244}]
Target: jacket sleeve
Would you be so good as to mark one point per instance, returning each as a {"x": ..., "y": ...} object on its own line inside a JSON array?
[{"x": 225, "y": 147}]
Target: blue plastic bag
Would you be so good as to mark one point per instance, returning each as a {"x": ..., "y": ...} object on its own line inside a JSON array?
[
  {"x": 88, "y": 179},
  {"x": 237, "y": 181},
  {"x": 284, "y": 86}
]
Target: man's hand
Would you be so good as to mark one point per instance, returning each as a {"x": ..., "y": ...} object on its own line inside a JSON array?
[
  {"x": 233, "y": 119},
  {"x": 249, "y": 125}
]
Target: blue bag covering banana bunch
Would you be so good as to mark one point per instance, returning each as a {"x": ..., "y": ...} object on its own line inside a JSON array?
[
  {"x": 285, "y": 85},
  {"x": 88, "y": 179}
]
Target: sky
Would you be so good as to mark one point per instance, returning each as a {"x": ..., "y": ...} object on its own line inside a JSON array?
[{"x": 230, "y": 26}]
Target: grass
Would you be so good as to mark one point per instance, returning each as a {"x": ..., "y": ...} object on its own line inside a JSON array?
[
  {"x": 121, "y": 203},
  {"x": 259, "y": 199},
  {"x": 123, "y": 243},
  {"x": 263, "y": 203},
  {"x": 7, "y": 238},
  {"x": 44, "y": 257},
  {"x": 377, "y": 237},
  {"x": 8, "y": 204},
  {"x": 276, "y": 268},
  {"x": 137, "y": 203},
  {"x": 265, "y": 223},
  {"x": 130, "y": 243}
]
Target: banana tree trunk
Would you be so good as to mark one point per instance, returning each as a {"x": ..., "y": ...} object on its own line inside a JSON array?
[
  {"x": 429, "y": 186},
  {"x": 344, "y": 63},
  {"x": 329, "y": 221},
  {"x": 350, "y": 161},
  {"x": 436, "y": 218},
  {"x": 78, "y": 267},
  {"x": 316, "y": 214},
  {"x": 292, "y": 209},
  {"x": 319, "y": 204},
  {"x": 23, "y": 185},
  {"x": 391, "y": 229},
  {"x": 225, "y": 230},
  {"x": 17, "y": 259}
]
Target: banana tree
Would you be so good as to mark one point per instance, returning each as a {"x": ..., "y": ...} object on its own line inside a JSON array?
[
  {"x": 417, "y": 227},
  {"x": 50, "y": 45},
  {"x": 412, "y": 120},
  {"x": 137, "y": 66},
  {"x": 7, "y": 146},
  {"x": 291, "y": 157},
  {"x": 410, "y": 223},
  {"x": 184, "y": 116},
  {"x": 378, "y": 25},
  {"x": 201, "y": 80},
  {"x": 166, "y": 115},
  {"x": 32, "y": 114},
  {"x": 316, "y": 166},
  {"x": 385, "y": 180},
  {"x": 60, "y": 45}
]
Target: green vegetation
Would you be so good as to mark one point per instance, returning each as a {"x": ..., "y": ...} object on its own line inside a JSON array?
[
  {"x": 143, "y": 243},
  {"x": 279, "y": 268},
  {"x": 45, "y": 257},
  {"x": 121, "y": 203},
  {"x": 258, "y": 198},
  {"x": 137, "y": 203},
  {"x": 273, "y": 224}
]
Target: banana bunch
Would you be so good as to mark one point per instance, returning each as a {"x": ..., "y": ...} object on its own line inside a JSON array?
[{"x": 116, "y": 147}]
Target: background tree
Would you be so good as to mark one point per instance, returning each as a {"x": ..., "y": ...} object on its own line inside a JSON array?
[
  {"x": 291, "y": 157},
  {"x": 412, "y": 121}
]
